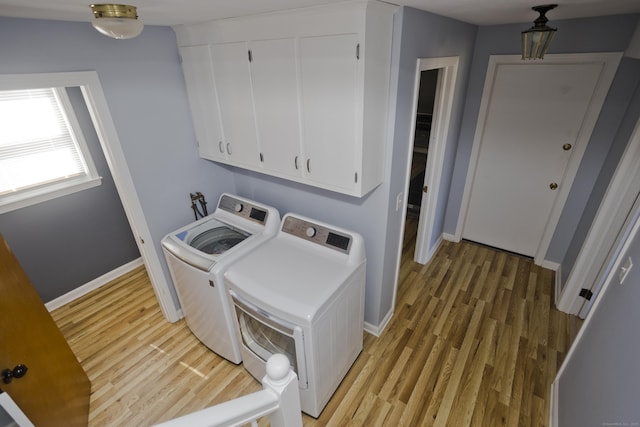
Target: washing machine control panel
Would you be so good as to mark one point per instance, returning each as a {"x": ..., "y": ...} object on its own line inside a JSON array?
[
  {"x": 318, "y": 234},
  {"x": 243, "y": 209}
]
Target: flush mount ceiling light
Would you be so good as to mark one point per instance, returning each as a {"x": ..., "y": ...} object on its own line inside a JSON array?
[
  {"x": 119, "y": 21},
  {"x": 536, "y": 40}
]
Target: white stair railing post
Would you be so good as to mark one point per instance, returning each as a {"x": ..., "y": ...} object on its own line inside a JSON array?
[{"x": 284, "y": 382}]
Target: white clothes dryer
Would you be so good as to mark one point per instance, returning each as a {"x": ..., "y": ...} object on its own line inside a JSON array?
[
  {"x": 199, "y": 254},
  {"x": 302, "y": 294}
]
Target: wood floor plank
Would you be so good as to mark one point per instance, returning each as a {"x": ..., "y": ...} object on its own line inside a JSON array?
[{"x": 475, "y": 340}]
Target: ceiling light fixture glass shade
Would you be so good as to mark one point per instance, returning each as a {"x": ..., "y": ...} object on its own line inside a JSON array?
[
  {"x": 536, "y": 40},
  {"x": 119, "y": 21}
]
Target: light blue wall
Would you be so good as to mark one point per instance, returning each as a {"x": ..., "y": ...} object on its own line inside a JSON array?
[
  {"x": 574, "y": 36},
  {"x": 145, "y": 91}
]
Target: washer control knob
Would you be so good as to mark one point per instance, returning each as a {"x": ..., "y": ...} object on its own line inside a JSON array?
[
  {"x": 238, "y": 207},
  {"x": 311, "y": 231}
]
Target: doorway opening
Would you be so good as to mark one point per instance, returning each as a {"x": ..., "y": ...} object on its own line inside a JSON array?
[
  {"x": 432, "y": 106},
  {"x": 429, "y": 137},
  {"x": 420, "y": 153}
]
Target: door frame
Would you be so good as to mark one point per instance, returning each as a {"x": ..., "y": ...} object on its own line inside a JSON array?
[
  {"x": 443, "y": 105},
  {"x": 615, "y": 208},
  {"x": 94, "y": 97},
  {"x": 449, "y": 67},
  {"x": 609, "y": 278},
  {"x": 610, "y": 61},
  {"x": 110, "y": 143}
]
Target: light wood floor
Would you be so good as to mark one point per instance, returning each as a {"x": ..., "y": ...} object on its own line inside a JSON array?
[{"x": 475, "y": 340}]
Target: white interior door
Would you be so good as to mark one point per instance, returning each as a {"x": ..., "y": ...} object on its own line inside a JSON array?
[
  {"x": 427, "y": 238},
  {"x": 533, "y": 123}
]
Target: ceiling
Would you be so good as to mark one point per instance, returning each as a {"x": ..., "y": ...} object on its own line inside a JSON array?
[{"x": 173, "y": 12}]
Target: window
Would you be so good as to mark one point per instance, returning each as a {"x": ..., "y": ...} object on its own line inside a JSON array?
[{"x": 43, "y": 154}]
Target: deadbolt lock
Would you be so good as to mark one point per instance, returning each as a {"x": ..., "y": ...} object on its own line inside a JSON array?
[
  {"x": 566, "y": 147},
  {"x": 553, "y": 185}
]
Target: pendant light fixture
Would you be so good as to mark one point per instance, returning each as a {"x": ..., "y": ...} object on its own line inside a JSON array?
[
  {"x": 119, "y": 21},
  {"x": 536, "y": 40}
]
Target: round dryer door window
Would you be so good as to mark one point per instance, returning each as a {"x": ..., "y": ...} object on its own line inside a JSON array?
[{"x": 217, "y": 240}]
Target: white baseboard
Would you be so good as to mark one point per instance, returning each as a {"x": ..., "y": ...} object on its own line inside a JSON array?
[
  {"x": 377, "y": 330},
  {"x": 94, "y": 284},
  {"x": 550, "y": 265},
  {"x": 450, "y": 237},
  {"x": 435, "y": 248},
  {"x": 558, "y": 285},
  {"x": 553, "y": 405}
]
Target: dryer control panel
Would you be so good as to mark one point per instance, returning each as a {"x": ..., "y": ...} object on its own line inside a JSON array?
[
  {"x": 243, "y": 209},
  {"x": 317, "y": 233}
]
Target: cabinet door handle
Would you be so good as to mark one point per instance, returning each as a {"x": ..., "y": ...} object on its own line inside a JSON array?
[
  {"x": 309, "y": 165},
  {"x": 295, "y": 162},
  {"x": 220, "y": 147},
  {"x": 228, "y": 148}
]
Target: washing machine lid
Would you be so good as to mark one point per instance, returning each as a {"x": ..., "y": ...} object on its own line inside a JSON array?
[
  {"x": 204, "y": 242},
  {"x": 223, "y": 235}
]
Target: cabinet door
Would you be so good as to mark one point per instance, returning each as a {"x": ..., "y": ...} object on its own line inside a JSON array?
[
  {"x": 329, "y": 73},
  {"x": 233, "y": 83},
  {"x": 275, "y": 92},
  {"x": 203, "y": 100}
]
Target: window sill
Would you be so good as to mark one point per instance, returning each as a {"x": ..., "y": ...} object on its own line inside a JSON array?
[{"x": 10, "y": 203}]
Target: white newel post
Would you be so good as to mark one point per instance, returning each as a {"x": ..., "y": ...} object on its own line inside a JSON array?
[{"x": 284, "y": 382}]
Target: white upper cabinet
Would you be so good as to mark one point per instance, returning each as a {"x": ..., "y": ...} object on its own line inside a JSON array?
[
  {"x": 275, "y": 92},
  {"x": 329, "y": 74},
  {"x": 203, "y": 100},
  {"x": 233, "y": 82},
  {"x": 299, "y": 94}
]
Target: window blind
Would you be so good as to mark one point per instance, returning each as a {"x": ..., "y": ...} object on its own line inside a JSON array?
[{"x": 37, "y": 145}]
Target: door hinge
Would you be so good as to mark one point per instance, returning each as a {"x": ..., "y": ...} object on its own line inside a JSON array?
[
  {"x": 261, "y": 158},
  {"x": 250, "y": 55},
  {"x": 358, "y": 51},
  {"x": 356, "y": 177},
  {"x": 586, "y": 294},
  {"x": 212, "y": 284}
]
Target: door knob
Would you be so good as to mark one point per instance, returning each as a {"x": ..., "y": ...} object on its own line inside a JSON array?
[
  {"x": 553, "y": 185},
  {"x": 18, "y": 372}
]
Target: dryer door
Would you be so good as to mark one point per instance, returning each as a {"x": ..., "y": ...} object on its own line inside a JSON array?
[{"x": 264, "y": 335}]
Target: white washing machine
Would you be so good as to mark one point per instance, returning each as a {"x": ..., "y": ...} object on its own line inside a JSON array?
[
  {"x": 198, "y": 255},
  {"x": 302, "y": 294}
]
